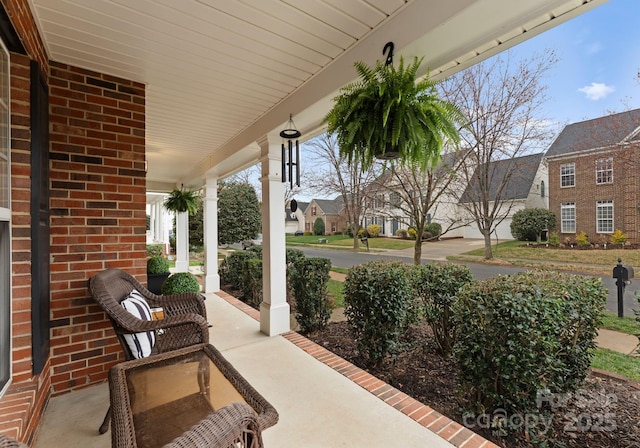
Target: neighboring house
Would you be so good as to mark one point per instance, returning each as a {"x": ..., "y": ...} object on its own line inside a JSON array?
[
  {"x": 595, "y": 181},
  {"x": 330, "y": 210},
  {"x": 527, "y": 188},
  {"x": 387, "y": 200},
  {"x": 294, "y": 221}
]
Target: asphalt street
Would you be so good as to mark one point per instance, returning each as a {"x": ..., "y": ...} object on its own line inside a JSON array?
[{"x": 347, "y": 259}]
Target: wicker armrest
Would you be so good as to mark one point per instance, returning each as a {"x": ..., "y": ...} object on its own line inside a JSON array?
[
  {"x": 8, "y": 442},
  {"x": 230, "y": 427},
  {"x": 176, "y": 304}
]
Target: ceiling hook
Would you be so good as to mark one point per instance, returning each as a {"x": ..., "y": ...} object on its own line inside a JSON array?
[{"x": 389, "y": 46}]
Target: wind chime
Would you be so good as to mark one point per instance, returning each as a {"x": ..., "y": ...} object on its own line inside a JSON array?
[{"x": 288, "y": 163}]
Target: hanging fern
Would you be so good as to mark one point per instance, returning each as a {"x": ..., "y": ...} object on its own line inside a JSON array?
[
  {"x": 386, "y": 114},
  {"x": 181, "y": 200}
]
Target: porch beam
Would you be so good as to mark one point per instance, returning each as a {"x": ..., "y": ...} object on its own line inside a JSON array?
[{"x": 274, "y": 309}]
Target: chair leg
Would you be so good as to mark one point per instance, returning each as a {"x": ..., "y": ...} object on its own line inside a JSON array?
[{"x": 105, "y": 423}]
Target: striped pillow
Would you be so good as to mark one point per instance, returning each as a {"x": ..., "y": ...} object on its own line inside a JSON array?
[{"x": 140, "y": 344}]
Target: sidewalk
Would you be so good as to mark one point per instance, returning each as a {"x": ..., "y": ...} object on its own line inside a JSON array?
[{"x": 616, "y": 341}]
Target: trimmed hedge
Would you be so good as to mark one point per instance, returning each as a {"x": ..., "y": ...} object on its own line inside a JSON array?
[
  {"x": 519, "y": 335},
  {"x": 377, "y": 297},
  {"x": 436, "y": 285},
  {"x": 308, "y": 280}
]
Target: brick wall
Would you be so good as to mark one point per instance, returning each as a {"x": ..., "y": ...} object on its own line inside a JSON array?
[
  {"x": 20, "y": 15},
  {"x": 98, "y": 215},
  {"x": 624, "y": 191}
]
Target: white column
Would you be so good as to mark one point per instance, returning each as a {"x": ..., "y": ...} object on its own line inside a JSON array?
[
  {"x": 212, "y": 278},
  {"x": 159, "y": 225},
  {"x": 274, "y": 309},
  {"x": 152, "y": 221},
  {"x": 182, "y": 242}
]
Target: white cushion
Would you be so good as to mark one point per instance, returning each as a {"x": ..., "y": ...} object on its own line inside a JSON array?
[{"x": 140, "y": 344}]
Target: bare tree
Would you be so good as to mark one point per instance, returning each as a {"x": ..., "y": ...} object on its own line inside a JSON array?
[
  {"x": 502, "y": 100},
  {"x": 416, "y": 193},
  {"x": 334, "y": 175}
]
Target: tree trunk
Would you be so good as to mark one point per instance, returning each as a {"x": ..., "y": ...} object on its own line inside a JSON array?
[
  {"x": 488, "y": 254},
  {"x": 417, "y": 250}
]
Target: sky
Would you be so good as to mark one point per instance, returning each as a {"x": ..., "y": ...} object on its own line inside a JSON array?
[
  {"x": 599, "y": 59},
  {"x": 597, "y": 70}
]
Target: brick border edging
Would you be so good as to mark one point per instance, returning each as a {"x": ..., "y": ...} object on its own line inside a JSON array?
[{"x": 444, "y": 427}]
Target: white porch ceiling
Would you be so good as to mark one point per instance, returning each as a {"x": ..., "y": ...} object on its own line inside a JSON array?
[{"x": 221, "y": 74}]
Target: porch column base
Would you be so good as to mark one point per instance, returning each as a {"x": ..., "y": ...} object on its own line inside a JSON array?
[
  {"x": 274, "y": 320},
  {"x": 212, "y": 283}
]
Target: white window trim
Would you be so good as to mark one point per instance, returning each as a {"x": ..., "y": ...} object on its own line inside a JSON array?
[
  {"x": 574, "y": 175},
  {"x": 606, "y": 161},
  {"x": 568, "y": 205},
  {"x": 5, "y": 217},
  {"x": 602, "y": 204}
]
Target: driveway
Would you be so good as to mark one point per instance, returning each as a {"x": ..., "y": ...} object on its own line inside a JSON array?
[{"x": 439, "y": 250}]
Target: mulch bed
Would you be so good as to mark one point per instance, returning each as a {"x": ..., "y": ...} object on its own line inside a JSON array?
[{"x": 605, "y": 412}]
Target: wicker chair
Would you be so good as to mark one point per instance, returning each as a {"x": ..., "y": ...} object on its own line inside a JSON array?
[
  {"x": 8, "y": 442},
  {"x": 184, "y": 323},
  {"x": 234, "y": 426}
]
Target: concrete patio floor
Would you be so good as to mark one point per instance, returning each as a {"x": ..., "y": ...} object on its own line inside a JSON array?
[{"x": 318, "y": 405}]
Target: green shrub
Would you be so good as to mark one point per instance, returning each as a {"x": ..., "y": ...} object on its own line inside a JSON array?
[
  {"x": 154, "y": 250},
  {"x": 373, "y": 230},
  {"x": 411, "y": 232},
  {"x": 256, "y": 250},
  {"x": 434, "y": 229},
  {"x": 436, "y": 285},
  {"x": 318, "y": 227},
  {"x": 517, "y": 335},
  {"x": 529, "y": 223},
  {"x": 179, "y": 283},
  {"x": 157, "y": 265},
  {"x": 402, "y": 233},
  {"x": 637, "y": 313},
  {"x": 582, "y": 239},
  {"x": 293, "y": 255},
  {"x": 618, "y": 237},
  {"x": 232, "y": 268},
  {"x": 252, "y": 285},
  {"x": 554, "y": 239},
  {"x": 377, "y": 298},
  {"x": 308, "y": 280}
]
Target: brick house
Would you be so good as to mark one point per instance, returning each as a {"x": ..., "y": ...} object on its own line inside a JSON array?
[
  {"x": 330, "y": 210},
  {"x": 102, "y": 102},
  {"x": 594, "y": 181}
]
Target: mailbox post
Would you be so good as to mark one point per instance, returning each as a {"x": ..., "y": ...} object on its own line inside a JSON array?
[
  {"x": 623, "y": 276},
  {"x": 365, "y": 240}
]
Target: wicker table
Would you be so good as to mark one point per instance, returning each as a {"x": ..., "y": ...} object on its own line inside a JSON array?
[{"x": 156, "y": 399}]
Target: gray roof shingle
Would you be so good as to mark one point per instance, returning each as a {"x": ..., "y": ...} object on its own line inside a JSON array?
[
  {"x": 597, "y": 133},
  {"x": 518, "y": 186}
]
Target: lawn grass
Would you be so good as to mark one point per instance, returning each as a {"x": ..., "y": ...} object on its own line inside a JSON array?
[
  {"x": 347, "y": 242},
  {"x": 626, "y": 325},
  {"x": 625, "y": 365},
  {"x": 336, "y": 288},
  {"x": 518, "y": 249},
  {"x": 340, "y": 270}
]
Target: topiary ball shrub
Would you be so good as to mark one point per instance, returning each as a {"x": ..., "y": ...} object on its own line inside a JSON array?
[
  {"x": 517, "y": 336},
  {"x": 157, "y": 265},
  {"x": 179, "y": 283},
  {"x": 378, "y": 299}
]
